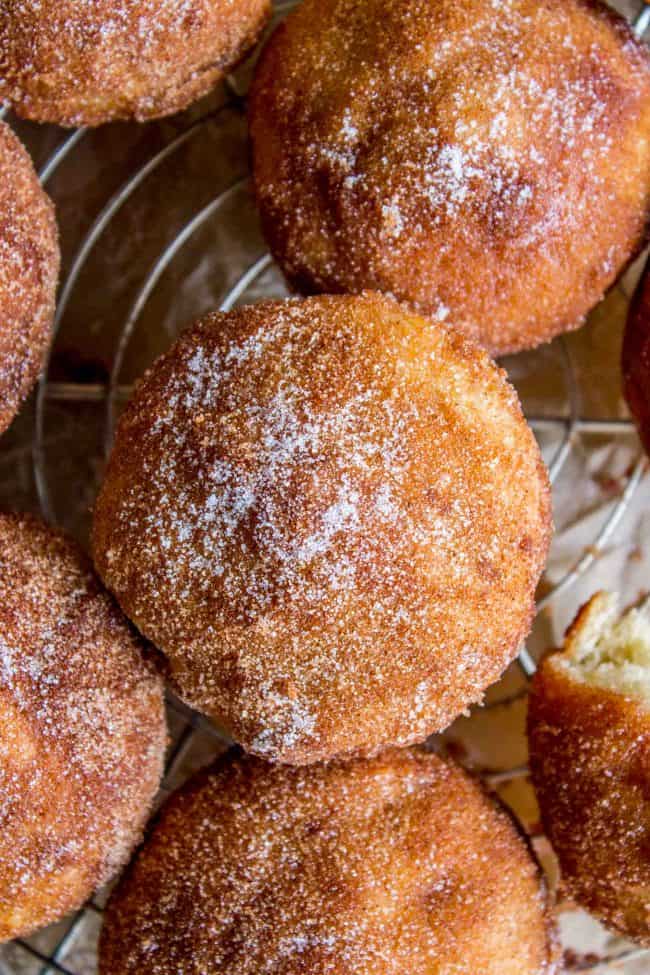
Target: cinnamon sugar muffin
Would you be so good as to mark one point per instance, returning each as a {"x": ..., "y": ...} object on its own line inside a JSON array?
[
  {"x": 29, "y": 268},
  {"x": 636, "y": 357},
  {"x": 331, "y": 516},
  {"x": 488, "y": 163},
  {"x": 589, "y": 733},
  {"x": 82, "y": 730},
  {"x": 84, "y": 62},
  {"x": 396, "y": 864}
]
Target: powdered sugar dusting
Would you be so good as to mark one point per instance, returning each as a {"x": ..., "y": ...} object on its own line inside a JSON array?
[
  {"x": 83, "y": 62},
  {"x": 304, "y": 501},
  {"x": 82, "y": 731},
  {"x": 396, "y": 865},
  {"x": 492, "y": 157},
  {"x": 29, "y": 264}
]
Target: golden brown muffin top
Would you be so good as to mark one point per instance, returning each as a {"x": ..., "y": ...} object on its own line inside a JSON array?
[
  {"x": 84, "y": 62},
  {"x": 331, "y": 516},
  {"x": 82, "y": 729},
  {"x": 396, "y": 864},
  {"x": 489, "y": 163},
  {"x": 29, "y": 266}
]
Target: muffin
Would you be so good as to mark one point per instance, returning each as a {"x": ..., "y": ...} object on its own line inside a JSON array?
[
  {"x": 488, "y": 164},
  {"x": 331, "y": 516},
  {"x": 75, "y": 63},
  {"x": 636, "y": 358},
  {"x": 394, "y": 864},
  {"x": 589, "y": 734},
  {"x": 82, "y": 730},
  {"x": 29, "y": 268}
]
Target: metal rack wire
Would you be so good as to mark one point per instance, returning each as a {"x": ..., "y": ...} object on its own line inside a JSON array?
[{"x": 188, "y": 727}]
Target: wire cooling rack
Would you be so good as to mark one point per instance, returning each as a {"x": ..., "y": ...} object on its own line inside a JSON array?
[{"x": 119, "y": 306}]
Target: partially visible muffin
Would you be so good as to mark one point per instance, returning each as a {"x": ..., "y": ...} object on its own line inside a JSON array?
[
  {"x": 396, "y": 864},
  {"x": 85, "y": 63},
  {"x": 82, "y": 730},
  {"x": 331, "y": 517},
  {"x": 636, "y": 357},
  {"x": 589, "y": 735},
  {"x": 29, "y": 269},
  {"x": 488, "y": 163}
]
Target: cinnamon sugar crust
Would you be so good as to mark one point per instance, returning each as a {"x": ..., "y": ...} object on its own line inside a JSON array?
[
  {"x": 331, "y": 517},
  {"x": 589, "y": 737},
  {"x": 488, "y": 163},
  {"x": 82, "y": 730},
  {"x": 85, "y": 62},
  {"x": 396, "y": 864},
  {"x": 636, "y": 358},
  {"x": 29, "y": 268}
]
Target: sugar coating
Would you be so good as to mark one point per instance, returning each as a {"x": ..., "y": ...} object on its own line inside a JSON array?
[
  {"x": 379, "y": 867},
  {"x": 589, "y": 737},
  {"x": 635, "y": 357},
  {"x": 29, "y": 267},
  {"x": 84, "y": 62},
  {"x": 331, "y": 516},
  {"x": 490, "y": 160},
  {"x": 82, "y": 730}
]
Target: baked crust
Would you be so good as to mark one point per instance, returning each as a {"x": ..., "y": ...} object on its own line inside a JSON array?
[
  {"x": 491, "y": 167},
  {"x": 82, "y": 730},
  {"x": 331, "y": 517},
  {"x": 86, "y": 63},
  {"x": 636, "y": 358},
  {"x": 29, "y": 269},
  {"x": 590, "y": 765},
  {"x": 399, "y": 863}
]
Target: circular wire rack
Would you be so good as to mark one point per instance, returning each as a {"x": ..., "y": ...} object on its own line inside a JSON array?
[{"x": 68, "y": 947}]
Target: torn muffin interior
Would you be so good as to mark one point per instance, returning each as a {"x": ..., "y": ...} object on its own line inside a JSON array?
[{"x": 608, "y": 650}]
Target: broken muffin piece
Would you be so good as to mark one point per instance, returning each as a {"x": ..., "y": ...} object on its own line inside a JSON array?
[{"x": 589, "y": 739}]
